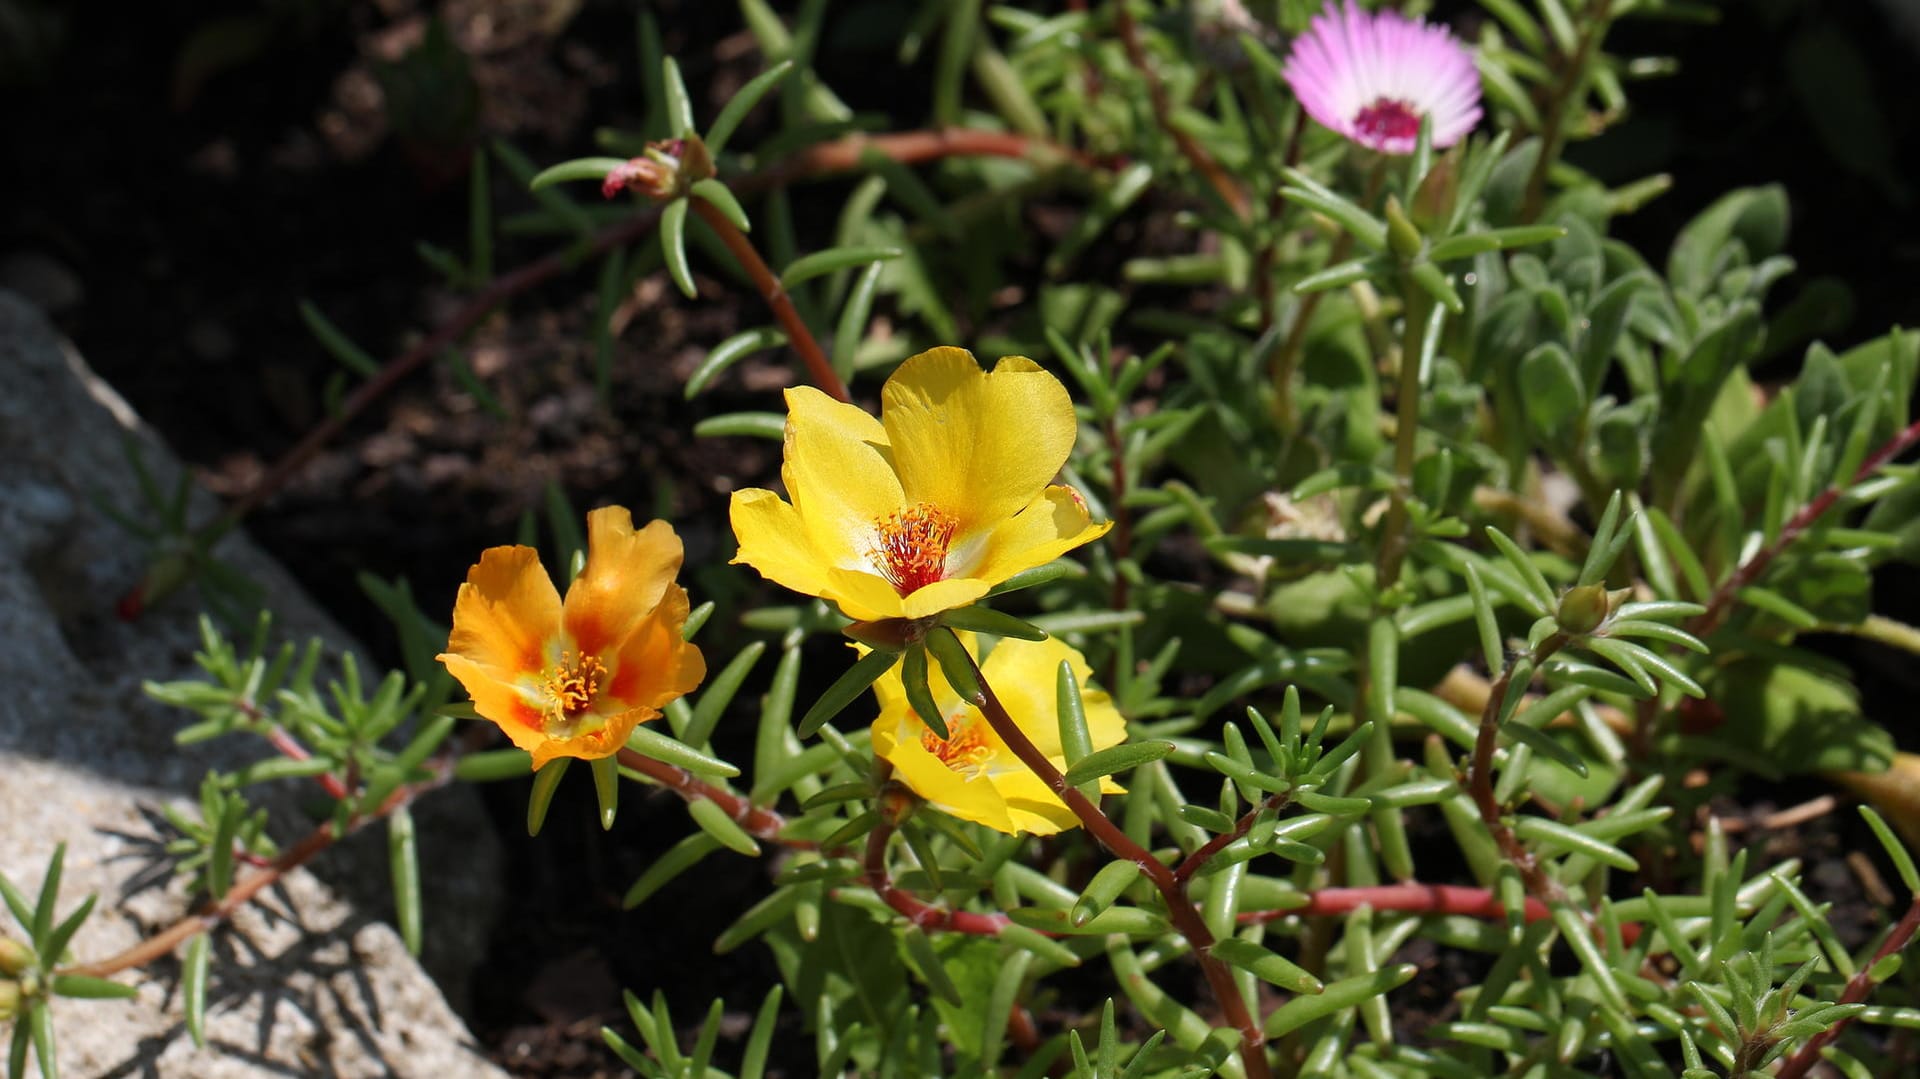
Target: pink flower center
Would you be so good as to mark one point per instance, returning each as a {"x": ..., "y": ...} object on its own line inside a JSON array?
[
  {"x": 913, "y": 546},
  {"x": 1387, "y": 120}
]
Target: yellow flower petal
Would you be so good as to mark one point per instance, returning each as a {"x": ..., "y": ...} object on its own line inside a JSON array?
[
  {"x": 774, "y": 541},
  {"x": 943, "y": 596},
  {"x": 625, "y": 575},
  {"x": 507, "y": 613},
  {"x": 1050, "y": 526},
  {"x": 977, "y": 445},
  {"x": 1032, "y": 806},
  {"x": 839, "y": 476},
  {"x": 863, "y": 597},
  {"x": 1025, "y": 676},
  {"x": 896, "y": 739}
]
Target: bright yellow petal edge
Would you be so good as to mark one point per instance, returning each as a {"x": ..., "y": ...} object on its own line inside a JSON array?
[
  {"x": 573, "y": 678},
  {"x": 928, "y": 508}
]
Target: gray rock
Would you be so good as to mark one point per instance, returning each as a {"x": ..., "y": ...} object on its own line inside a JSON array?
[{"x": 308, "y": 980}]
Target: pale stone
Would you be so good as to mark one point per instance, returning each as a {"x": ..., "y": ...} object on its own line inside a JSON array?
[{"x": 307, "y": 980}]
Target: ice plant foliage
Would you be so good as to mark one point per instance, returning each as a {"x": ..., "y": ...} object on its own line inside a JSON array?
[
  {"x": 573, "y": 678},
  {"x": 944, "y": 496},
  {"x": 1373, "y": 77},
  {"x": 972, "y": 774}
]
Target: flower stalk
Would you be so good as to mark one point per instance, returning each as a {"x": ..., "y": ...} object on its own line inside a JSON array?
[{"x": 1185, "y": 916}]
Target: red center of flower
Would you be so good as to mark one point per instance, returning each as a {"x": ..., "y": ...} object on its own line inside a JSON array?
[
  {"x": 1386, "y": 120},
  {"x": 572, "y": 684},
  {"x": 913, "y": 546},
  {"x": 966, "y": 752}
]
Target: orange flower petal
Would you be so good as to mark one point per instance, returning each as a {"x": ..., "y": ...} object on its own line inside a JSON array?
[
  {"x": 507, "y": 613},
  {"x": 497, "y": 699},
  {"x": 604, "y": 742},
  {"x": 655, "y": 663},
  {"x": 626, "y": 573}
]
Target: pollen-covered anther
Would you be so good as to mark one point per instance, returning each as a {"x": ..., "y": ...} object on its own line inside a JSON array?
[
  {"x": 912, "y": 546},
  {"x": 966, "y": 752},
  {"x": 572, "y": 684},
  {"x": 1386, "y": 119}
]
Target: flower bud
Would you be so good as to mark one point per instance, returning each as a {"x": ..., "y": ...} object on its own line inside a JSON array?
[
  {"x": 9, "y": 1000},
  {"x": 665, "y": 171},
  {"x": 896, "y": 803},
  {"x": 14, "y": 956},
  {"x": 1401, "y": 235},
  {"x": 1582, "y": 609},
  {"x": 1433, "y": 200},
  {"x": 890, "y": 634}
]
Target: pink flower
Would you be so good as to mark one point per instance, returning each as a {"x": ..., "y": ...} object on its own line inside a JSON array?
[{"x": 1374, "y": 76}]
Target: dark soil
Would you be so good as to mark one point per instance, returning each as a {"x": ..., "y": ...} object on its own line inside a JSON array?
[{"x": 193, "y": 204}]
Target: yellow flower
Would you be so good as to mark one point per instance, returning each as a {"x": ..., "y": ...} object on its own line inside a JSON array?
[
  {"x": 572, "y": 679},
  {"x": 972, "y": 774},
  {"x": 928, "y": 507}
]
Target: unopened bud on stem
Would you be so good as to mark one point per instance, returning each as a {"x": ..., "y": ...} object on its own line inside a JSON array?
[
  {"x": 1401, "y": 235},
  {"x": 1582, "y": 609},
  {"x": 14, "y": 956}
]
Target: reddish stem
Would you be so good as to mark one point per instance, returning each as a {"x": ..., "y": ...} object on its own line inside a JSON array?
[
  {"x": 214, "y": 912},
  {"x": 1721, "y": 603},
  {"x": 290, "y": 747},
  {"x": 1186, "y": 918},
  {"x": 771, "y": 290},
  {"x": 1858, "y": 987},
  {"x": 1203, "y": 163},
  {"x": 840, "y": 155},
  {"x": 758, "y": 821}
]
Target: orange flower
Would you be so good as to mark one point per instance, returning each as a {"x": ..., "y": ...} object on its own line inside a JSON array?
[{"x": 573, "y": 679}]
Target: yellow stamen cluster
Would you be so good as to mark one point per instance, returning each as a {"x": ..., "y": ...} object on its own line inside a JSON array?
[
  {"x": 572, "y": 683},
  {"x": 913, "y": 546},
  {"x": 966, "y": 752}
]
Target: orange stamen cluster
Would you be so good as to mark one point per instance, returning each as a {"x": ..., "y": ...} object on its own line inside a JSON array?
[
  {"x": 572, "y": 684},
  {"x": 913, "y": 546},
  {"x": 966, "y": 752}
]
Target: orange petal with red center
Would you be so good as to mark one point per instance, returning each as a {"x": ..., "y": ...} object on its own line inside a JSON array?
[
  {"x": 655, "y": 663},
  {"x": 625, "y": 575},
  {"x": 497, "y": 699},
  {"x": 507, "y": 614},
  {"x": 604, "y": 742}
]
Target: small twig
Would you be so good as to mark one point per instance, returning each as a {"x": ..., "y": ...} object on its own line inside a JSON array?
[
  {"x": 759, "y": 821},
  {"x": 819, "y": 368},
  {"x": 822, "y": 159},
  {"x": 1408, "y": 898},
  {"x": 1858, "y": 987},
  {"x": 214, "y": 912},
  {"x": 290, "y": 747},
  {"x": 1480, "y": 778},
  {"x": 1719, "y": 606},
  {"x": 1186, "y": 917},
  {"x": 1572, "y": 81},
  {"x": 1203, "y": 163},
  {"x": 1204, "y": 853}
]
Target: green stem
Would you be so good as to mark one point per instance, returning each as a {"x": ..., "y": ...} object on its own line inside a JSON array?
[
  {"x": 1394, "y": 541},
  {"x": 1567, "y": 90}
]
